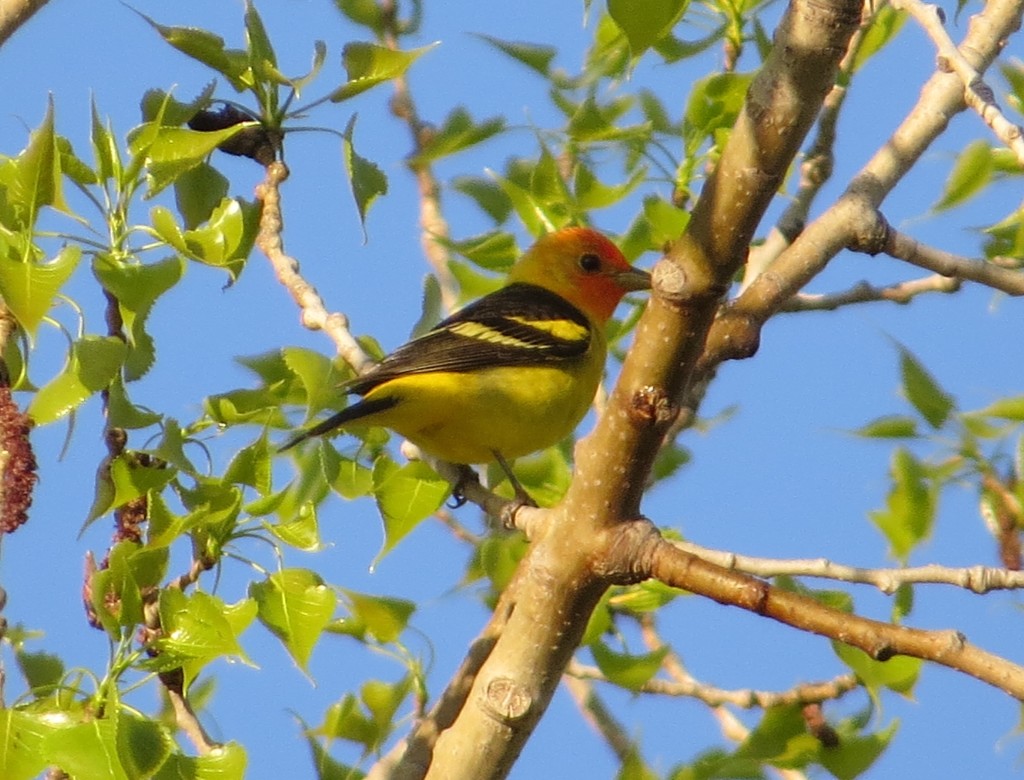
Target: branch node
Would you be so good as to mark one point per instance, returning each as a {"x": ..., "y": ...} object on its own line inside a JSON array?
[
  {"x": 651, "y": 405},
  {"x": 871, "y": 235},
  {"x": 506, "y": 700},
  {"x": 628, "y": 556}
]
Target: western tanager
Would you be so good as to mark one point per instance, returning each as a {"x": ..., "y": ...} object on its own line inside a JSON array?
[{"x": 509, "y": 374}]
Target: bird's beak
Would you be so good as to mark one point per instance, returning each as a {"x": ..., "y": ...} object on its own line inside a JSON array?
[{"x": 633, "y": 279}]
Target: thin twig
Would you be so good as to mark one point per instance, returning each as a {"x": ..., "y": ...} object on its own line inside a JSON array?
[
  {"x": 597, "y": 714},
  {"x": 313, "y": 311},
  {"x": 994, "y": 275},
  {"x": 435, "y": 227},
  {"x": 977, "y": 579},
  {"x": 977, "y": 94},
  {"x": 817, "y": 166},
  {"x": 744, "y": 698},
  {"x": 865, "y": 292}
]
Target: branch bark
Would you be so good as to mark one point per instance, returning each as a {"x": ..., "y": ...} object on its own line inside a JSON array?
[
  {"x": 853, "y": 219},
  {"x": 14, "y": 13},
  {"x": 574, "y": 552}
]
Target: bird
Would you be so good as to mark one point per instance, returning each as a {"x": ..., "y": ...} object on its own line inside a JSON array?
[{"x": 510, "y": 374}]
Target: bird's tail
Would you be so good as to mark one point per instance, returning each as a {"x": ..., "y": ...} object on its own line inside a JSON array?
[{"x": 349, "y": 414}]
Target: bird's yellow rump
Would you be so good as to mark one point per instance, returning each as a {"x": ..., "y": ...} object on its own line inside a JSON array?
[{"x": 513, "y": 372}]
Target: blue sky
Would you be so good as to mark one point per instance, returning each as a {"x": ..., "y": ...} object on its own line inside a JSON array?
[{"x": 779, "y": 478}]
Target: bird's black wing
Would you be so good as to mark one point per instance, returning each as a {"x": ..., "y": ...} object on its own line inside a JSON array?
[{"x": 518, "y": 325}]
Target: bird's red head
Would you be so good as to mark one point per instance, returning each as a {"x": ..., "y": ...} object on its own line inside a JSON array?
[{"x": 582, "y": 266}]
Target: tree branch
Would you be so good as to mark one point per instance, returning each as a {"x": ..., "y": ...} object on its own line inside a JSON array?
[
  {"x": 852, "y": 220},
  {"x": 14, "y": 13},
  {"x": 748, "y": 699},
  {"x": 903, "y": 247},
  {"x": 977, "y": 579},
  {"x": 977, "y": 93},
  {"x": 596, "y": 713},
  {"x": 865, "y": 292},
  {"x": 881, "y": 641},
  {"x": 435, "y": 226},
  {"x": 311, "y": 306},
  {"x": 570, "y": 562}
]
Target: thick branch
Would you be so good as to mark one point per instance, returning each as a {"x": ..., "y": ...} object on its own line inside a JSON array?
[
  {"x": 569, "y": 563},
  {"x": 14, "y": 13},
  {"x": 879, "y": 640},
  {"x": 736, "y": 333}
]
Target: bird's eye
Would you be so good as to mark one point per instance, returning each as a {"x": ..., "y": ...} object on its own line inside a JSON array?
[{"x": 590, "y": 263}]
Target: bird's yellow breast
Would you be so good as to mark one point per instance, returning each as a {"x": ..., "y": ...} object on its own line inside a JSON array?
[{"x": 516, "y": 410}]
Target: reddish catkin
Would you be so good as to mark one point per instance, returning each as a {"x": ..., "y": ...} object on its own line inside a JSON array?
[{"x": 17, "y": 464}]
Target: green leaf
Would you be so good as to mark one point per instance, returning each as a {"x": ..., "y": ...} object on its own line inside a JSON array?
[
  {"x": 368, "y": 65},
  {"x": 104, "y": 148},
  {"x": 645, "y": 21},
  {"x": 42, "y": 672},
  {"x": 972, "y": 172},
  {"x": 223, "y": 762},
  {"x": 629, "y": 671},
  {"x": 251, "y": 466},
  {"x": 225, "y": 241},
  {"x": 363, "y": 12},
  {"x": 910, "y": 506},
  {"x": 903, "y": 602},
  {"x": 122, "y": 413},
  {"x": 886, "y": 23},
  {"x": 1006, "y": 409},
  {"x": 488, "y": 195},
  {"x": 646, "y": 596},
  {"x": 534, "y": 56},
  {"x": 891, "y": 426},
  {"x": 592, "y": 194},
  {"x": 346, "y": 476},
  {"x": 898, "y": 674},
  {"x": 381, "y": 617},
  {"x": 262, "y": 59},
  {"x": 301, "y": 529},
  {"x": 37, "y": 181},
  {"x": 296, "y": 606},
  {"x": 923, "y": 392},
  {"x": 92, "y": 366},
  {"x": 666, "y": 222},
  {"x": 28, "y": 288},
  {"x": 781, "y": 739},
  {"x": 21, "y": 739},
  {"x": 136, "y": 288},
  {"x": 87, "y": 750},
  {"x": 856, "y": 753},
  {"x": 172, "y": 151},
  {"x": 197, "y": 192},
  {"x": 714, "y": 104},
  {"x": 493, "y": 251},
  {"x": 142, "y": 745},
  {"x": 458, "y": 132},
  {"x": 198, "y": 628},
  {"x": 160, "y": 107},
  {"x": 366, "y": 179},
  {"x": 209, "y": 49},
  {"x": 406, "y": 495},
  {"x": 132, "y": 480}
]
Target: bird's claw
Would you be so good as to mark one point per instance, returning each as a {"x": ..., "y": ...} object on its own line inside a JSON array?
[{"x": 466, "y": 477}]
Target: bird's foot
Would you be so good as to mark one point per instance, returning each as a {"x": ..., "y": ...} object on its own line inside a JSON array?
[{"x": 466, "y": 477}]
